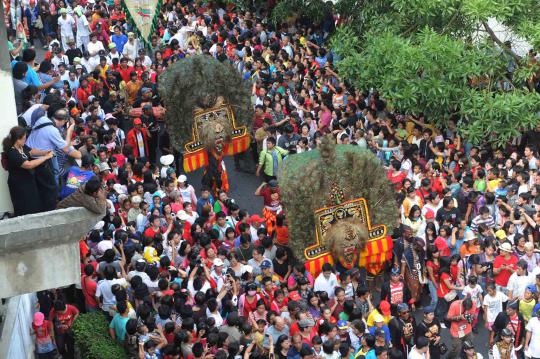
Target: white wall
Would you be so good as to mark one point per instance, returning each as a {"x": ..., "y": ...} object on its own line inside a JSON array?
[
  {"x": 8, "y": 110},
  {"x": 15, "y": 339}
]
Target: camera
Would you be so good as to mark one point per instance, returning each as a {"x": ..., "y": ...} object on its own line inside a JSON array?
[{"x": 468, "y": 317}]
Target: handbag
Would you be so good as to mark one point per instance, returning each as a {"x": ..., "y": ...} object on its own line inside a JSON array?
[{"x": 450, "y": 296}]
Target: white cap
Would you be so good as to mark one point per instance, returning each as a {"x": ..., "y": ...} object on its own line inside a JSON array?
[
  {"x": 182, "y": 178},
  {"x": 182, "y": 215},
  {"x": 246, "y": 269},
  {"x": 166, "y": 160},
  {"x": 218, "y": 262},
  {"x": 99, "y": 226}
]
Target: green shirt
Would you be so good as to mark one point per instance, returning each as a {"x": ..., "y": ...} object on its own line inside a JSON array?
[
  {"x": 266, "y": 159},
  {"x": 118, "y": 323}
]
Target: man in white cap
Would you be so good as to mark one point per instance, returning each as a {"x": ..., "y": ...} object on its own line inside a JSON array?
[
  {"x": 166, "y": 161},
  {"x": 83, "y": 28},
  {"x": 217, "y": 273},
  {"x": 504, "y": 265},
  {"x": 66, "y": 23}
]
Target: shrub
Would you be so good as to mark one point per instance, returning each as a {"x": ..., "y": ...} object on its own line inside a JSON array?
[{"x": 92, "y": 338}]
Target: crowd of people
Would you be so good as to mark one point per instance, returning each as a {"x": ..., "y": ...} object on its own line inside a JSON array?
[{"x": 181, "y": 273}]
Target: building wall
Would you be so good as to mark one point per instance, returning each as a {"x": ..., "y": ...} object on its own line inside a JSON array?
[
  {"x": 15, "y": 340},
  {"x": 8, "y": 110}
]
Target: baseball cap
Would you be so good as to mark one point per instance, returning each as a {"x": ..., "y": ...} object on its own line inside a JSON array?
[
  {"x": 342, "y": 324},
  {"x": 182, "y": 215},
  {"x": 531, "y": 288},
  {"x": 62, "y": 11},
  {"x": 429, "y": 309},
  {"x": 255, "y": 218},
  {"x": 137, "y": 121},
  {"x": 506, "y": 332},
  {"x": 467, "y": 344},
  {"x": 182, "y": 178},
  {"x": 304, "y": 323},
  {"x": 379, "y": 332},
  {"x": 266, "y": 264},
  {"x": 385, "y": 307},
  {"x": 104, "y": 166},
  {"x": 402, "y": 307},
  {"x": 112, "y": 45},
  {"x": 217, "y": 262},
  {"x": 38, "y": 319},
  {"x": 378, "y": 318},
  {"x": 395, "y": 271}
]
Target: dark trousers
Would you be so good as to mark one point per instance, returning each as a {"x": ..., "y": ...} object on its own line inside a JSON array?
[
  {"x": 46, "y": 185},
  {"x": 66, "y": 344},
  {"x": 441, "y": 309},
  {"x": 456, "y": 345}
]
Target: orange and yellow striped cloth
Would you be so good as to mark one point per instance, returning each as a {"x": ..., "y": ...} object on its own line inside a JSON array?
[
  {"x": 197, "y": 159},
  {"x": 373, "y": 257}
]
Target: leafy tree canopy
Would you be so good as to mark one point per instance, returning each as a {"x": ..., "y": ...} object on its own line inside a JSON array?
[
  {"x": 428, "y": 56},
  {"x": 441, "y": 58}
]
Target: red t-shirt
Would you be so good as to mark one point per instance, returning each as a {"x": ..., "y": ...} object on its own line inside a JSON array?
[
  {"x": 43, "y": 334},
  {"x": 442, "y": 288},
  {"x": 458, "y": 329},
  {"x": 504, "y": 275},
  {"x": 89, "y": 287},
  {"x": 442, "y": 246},
  {"x": 64, "y": 320},
  {"x": 271, "y": 198}
]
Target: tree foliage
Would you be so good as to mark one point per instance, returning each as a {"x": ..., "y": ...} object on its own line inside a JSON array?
[{"x": 425, "y": 56}]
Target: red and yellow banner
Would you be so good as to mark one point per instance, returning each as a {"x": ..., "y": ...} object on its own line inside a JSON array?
[
  {"x": 373, "y": 257},
  {"x": 199, "y": 158}
]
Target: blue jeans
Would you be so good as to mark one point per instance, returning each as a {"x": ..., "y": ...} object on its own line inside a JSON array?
[{"x": 433, "y": 294}]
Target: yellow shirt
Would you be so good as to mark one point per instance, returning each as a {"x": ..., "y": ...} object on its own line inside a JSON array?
[
  {"x": 371, "y": 323},
  {"x": 493, "y": 185},
  {"x": 150, "y": 255}
]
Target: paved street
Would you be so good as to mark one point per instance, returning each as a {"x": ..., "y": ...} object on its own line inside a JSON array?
[{"x": 242, "y": 188}]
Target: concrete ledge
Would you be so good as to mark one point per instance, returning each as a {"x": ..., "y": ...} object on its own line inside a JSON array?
[{"x": 41, "y": 251}]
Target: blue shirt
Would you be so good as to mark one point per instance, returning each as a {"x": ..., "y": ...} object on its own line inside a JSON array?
[
  {"x": 31, "y": 77},
  {"x": 75, "y": 179},
  {"x": 47, "y": 138},
  {"x": 119, "y": 41}
]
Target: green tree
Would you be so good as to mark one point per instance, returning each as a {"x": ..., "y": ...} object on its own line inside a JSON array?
[{"x": 426, "y": 56}]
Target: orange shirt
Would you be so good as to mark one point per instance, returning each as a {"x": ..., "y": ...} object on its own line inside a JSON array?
[{"x": 465, "y": 252}]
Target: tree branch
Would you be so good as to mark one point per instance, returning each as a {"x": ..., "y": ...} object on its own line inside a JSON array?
[{"x": 500, "y": 43}]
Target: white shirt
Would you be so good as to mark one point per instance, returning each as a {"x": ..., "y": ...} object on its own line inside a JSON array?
[
  {"x": 414, "y": 354},
  {"x": 90, "y": 64},
  {"x": 94, "y": 48},
  {"x": 130, "y": 50},
  {"x": 140, "y": 144},
  {"x": 494, "y": 305},
  {"x": 327, "y": 285},
  {"x": 517, "y": 284},
  {"x": 55, "y": 61},
  {"x": 66, "y": 26},
  {"x": 83, "y": 28},
  {"x": 533, "y": 326},
  {"x": 104, "y": 289},
  {"x": 474, "y": 293}
]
